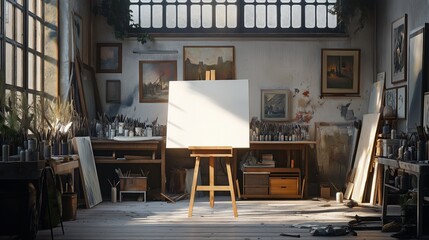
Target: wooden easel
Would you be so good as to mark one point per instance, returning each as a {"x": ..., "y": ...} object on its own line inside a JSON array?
[{"x": 211, "y": 153}]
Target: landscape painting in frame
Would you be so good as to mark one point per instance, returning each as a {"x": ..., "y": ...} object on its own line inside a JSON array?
[
  {"x": 275, "y": 105},
  {"x": 340, "y": 72},
  {"x": 197, "y": 60},
  {"x": 155, "y": 77}
]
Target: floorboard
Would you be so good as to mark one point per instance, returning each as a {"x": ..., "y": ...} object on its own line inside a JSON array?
[{"x": 264, "y": 219}]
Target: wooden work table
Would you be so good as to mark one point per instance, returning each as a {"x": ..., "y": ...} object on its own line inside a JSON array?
[{"x": 131, "y": 152}]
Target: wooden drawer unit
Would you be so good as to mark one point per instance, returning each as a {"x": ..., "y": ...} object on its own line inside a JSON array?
[
  {"x": 284, "y": 185},
  {"x": 256, "y": 183}
]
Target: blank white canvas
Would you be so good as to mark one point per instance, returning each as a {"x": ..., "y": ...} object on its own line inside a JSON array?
[
  {"x": 208, "y": 113},
  {"x": 376, "y": 97}
]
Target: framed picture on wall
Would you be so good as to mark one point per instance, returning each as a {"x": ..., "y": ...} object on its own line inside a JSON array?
[
  {"x": 399, "y": 50},
  {"x": 340, "y": 72},
  {"x": 109, "y": 57},
  {"x": 417, "y": 76},
  {"x": 113, "y": 91},
  {"x": 401, "y": 109},
  {"x": 154, "y": 79},
  {"x": 275, "y": 104},
  {"x": 213, "y": 60},
  {"x": 390, "y": 98}
]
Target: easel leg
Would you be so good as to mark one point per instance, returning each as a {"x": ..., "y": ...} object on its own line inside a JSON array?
[
  {"x": 194, "y": 186},
  {"x": 211, "y": 176},
  {"x": 231, "y": 187}
]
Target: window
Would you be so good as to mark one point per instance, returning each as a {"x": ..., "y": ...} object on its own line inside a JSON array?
[
  {"x": 234, "y": 16},
  {"x": 29, "y": 61}
]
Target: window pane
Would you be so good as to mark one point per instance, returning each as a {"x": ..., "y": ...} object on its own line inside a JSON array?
[
  {"x": 145, "y": 16},
  {"x": 19, "y": 66},
  {"x": 220, "y": 16},
  {"x": 285, "y": 16},
  {"x": 19, "y": 26},
  {"x": 310, "y": 11},
  {"x": 232, "y": 16},
  {"x": 332, "y": 19},
  {"x": 171, "y": 19},
  {"x": 9, "y": 21},
  {"x": 207, "y": 1},
  {"x": 182, "y": 14},
  {"x": 9, "y": 64},
  {"x": 39, "y": 34},
  {"x": 261, "y": 16},
  {"x": 232, "y": 1},
  {"x": 135, "y": 15},
  {"x": 195, "y": 16},
  {"x": 207, "y": 16},
  {"x": 39, "y": 79},
  {"x": 31, "y": 29},
  {"x": 272, "y": 16},
  {"x": 31, "y": 6},
  {"x": 134, "y": 1},
  {"x": 249, "y": 1},
  {"x": 321, "y": 1},
  {"x": 31, "y": 64},
  {"x": 296, "y": 16},
  {"x": 157, "y": 17},
  {"x": 249, "y": 16},
  {"x": 296, "y": 1},
  {"x": 321, "y": 16},
  {"x": 39, "y": 7},
  {"x": 220, "y": 1}
]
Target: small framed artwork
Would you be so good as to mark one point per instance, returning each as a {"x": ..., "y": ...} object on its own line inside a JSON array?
[
  {"x": 275, "y": 104},
  {"x": 426, "y": 110},
  {"x": 390, "y": 98},
  {"x": 113, "y": 91},
  {"x": 154, "y": 79},
  {"x": 109, "y": 57},
  {"x": 340, "y": 72},
  {"x": 399, "y": 50},
  {"x": 401, "y": 108},
  {"x": 208, "y": 63}
]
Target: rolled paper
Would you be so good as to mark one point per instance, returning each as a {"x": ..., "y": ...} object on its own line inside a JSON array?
[{"x": 207, "y": 75}]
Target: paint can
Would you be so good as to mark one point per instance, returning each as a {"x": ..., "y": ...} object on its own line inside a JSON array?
[{"x": 339, "y": 197}]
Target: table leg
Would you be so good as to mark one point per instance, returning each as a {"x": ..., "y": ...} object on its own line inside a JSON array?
[
  {"x": 231, "y": 186},
  {"x": 211, "y": 180},
  {"x": 194, "y": 186}
]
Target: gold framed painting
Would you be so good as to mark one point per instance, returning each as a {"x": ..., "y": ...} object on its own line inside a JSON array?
[
  {"x": 208, "y": 63},
  {"x": 340, "y": 72}
]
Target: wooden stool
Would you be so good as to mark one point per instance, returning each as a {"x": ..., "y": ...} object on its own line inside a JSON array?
[{"x": 211, "y": 153}]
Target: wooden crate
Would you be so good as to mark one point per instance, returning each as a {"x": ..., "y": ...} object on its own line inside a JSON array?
[{"x": 133, "y": 183}]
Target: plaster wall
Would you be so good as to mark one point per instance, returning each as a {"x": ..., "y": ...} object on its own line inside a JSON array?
[
  {"x": 388, "y": 11},
  {"x": 285, "y": 63}
]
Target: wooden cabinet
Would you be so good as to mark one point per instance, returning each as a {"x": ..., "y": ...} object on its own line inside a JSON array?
[
  {"x": 286, "y": 179},
  {"x": 131, "y": 152}
]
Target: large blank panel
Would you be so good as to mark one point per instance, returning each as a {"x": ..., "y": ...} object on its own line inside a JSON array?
[
  {"x": 364, "y": 154},
  {"x": 208, "y": 113}
]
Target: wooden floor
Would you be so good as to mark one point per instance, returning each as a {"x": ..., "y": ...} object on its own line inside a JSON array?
[{"x": 256, "y": 220}]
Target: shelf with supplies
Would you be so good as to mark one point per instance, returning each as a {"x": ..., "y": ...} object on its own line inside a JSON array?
[
  {"x": 107, "y": 151},
  {"x": 285, "y": 179},
  {"x": 406, "y": 179}
]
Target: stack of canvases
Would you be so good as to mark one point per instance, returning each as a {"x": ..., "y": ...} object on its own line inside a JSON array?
[{"x": 365, "y": 178}]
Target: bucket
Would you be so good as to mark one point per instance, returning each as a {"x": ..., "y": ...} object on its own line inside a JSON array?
[{"x": 69, "y": 202}]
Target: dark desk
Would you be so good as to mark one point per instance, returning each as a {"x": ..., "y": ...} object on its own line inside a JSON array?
[{"x": 421, "y": 171}]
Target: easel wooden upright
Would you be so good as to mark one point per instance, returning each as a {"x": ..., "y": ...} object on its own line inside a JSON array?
[{"x": 211, "y": 153}]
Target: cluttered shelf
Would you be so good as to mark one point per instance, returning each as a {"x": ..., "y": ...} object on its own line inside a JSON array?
[{"x": 130, "y": 151}]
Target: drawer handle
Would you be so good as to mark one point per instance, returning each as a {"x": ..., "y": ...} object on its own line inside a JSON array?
[{"x": 284, "y": 187}]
